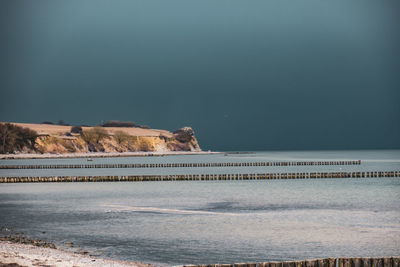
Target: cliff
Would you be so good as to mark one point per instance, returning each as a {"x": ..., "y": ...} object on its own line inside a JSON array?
[{"x": 58, "y": 139}]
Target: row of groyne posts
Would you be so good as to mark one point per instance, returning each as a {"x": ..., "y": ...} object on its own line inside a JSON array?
[
  {"x": 329, "y": 262},
  {"x": 183, "y": 165},
  {"x": 200, "y": 177}
]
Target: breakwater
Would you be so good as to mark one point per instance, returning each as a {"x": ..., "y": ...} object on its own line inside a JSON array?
[
  {"x": 200, "y": 177},
  {"x": 183, "y": 165},
  {"x": 329, "y": 262}
]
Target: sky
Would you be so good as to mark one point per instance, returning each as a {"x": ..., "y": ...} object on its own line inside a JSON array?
[{"x": 245, "y": 75}]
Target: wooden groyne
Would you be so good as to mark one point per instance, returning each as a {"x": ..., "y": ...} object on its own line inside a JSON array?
[
  {"x": 183, "y": 165},
  {"x": 329, "y": 262},
  {"x": 200, "y": 177}
]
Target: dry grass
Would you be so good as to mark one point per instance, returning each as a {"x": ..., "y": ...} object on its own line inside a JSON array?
[
  {"x": 49, "y": 129},
  {"x": 53, "y": 139}
]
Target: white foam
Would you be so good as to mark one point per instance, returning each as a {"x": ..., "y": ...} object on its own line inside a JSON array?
[{"x": 163, "y": 210}]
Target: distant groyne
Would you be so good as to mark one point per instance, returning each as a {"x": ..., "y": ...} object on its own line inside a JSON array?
[
  {"x": 182, "y": 165},
  {"x": 328, "y": 262},
  {"x": 201, "y": 177}
]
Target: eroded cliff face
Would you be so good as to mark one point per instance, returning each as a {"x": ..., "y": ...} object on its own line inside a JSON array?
[{"x": 181, "y": 140}]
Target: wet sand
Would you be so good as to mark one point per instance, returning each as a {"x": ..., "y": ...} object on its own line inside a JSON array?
[{"x": 29, "y": 255}]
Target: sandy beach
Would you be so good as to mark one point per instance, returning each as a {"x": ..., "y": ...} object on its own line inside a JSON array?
[{"x": 29, "y": 255}]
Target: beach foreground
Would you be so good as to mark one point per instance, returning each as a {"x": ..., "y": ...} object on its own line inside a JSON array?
[{"x": 29, "y": 255}]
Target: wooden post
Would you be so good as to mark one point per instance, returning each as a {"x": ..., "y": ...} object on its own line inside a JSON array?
[{"x": 344, "y": 262}]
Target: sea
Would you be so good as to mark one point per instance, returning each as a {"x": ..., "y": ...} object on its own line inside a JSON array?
[{"x": 207, "y": 222}]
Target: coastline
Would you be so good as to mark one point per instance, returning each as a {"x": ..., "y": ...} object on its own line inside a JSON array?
[
  {"x": 103, "y": 154},
  {"x": 29, "y": 255},
  {"x": 23, "y": 255}
]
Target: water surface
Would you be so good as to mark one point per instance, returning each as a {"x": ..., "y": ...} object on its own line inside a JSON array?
[{"x": 202, "y": 222}]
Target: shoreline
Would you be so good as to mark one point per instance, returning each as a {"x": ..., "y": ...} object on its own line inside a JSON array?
[
  {"x": 23, "y": 255},
  {"x": 104, "y": 154},
  {"x": 29, "y": 255}
]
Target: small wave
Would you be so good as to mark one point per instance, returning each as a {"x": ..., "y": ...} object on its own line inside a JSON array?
[
  {"x": 164, "y": 210},
  {"x": 251, "y": 208}
]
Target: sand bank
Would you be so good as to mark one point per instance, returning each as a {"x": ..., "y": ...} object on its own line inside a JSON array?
[{"x": 28, "y": 255}]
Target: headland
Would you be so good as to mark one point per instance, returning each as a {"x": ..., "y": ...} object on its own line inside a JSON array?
[{"x": 111, "y": 139}]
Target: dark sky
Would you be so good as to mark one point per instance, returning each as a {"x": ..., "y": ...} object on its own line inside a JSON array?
[{"x": 246, "y": 75}]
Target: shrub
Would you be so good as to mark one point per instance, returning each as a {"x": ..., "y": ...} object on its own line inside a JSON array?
[
  {"x": 76, "y": 129},
  {"x": 119, "y": 124},
  {"x": 163, "y": 137},
  {"x": 68, "y": 145},
  {"x": 145, "y": 144},
  {"x": 15, "y": 138},
  {"x": 184, "y": 134},
  {"x": 121, "y": 137},
  {"x": 94, "y": 135},
  {"x": 63, "y": 123},
  {"x": 47, "y": 122},
  {"x": 60, "y": 122},
  {"x": 144, "y": 127}
]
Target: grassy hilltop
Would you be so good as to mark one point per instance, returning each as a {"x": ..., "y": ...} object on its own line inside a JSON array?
[{"x": 110, "y": 137}]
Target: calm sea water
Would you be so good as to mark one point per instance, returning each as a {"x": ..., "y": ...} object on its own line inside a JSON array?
[
  {"x": 173, "y": 223},
  {"x": 374, "y": 160}
]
